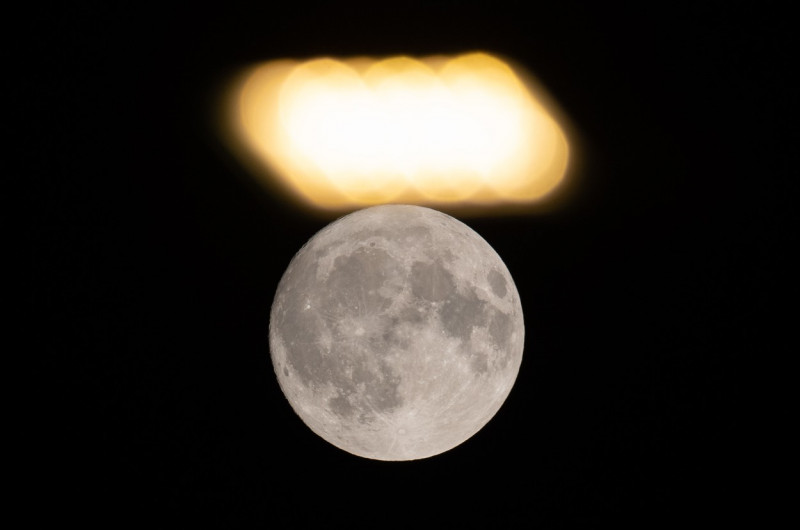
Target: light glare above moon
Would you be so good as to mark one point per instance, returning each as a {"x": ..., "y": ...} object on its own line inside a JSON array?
[
  {"x": 396, "y": 333},
  {"x": 342, "y": 133}
]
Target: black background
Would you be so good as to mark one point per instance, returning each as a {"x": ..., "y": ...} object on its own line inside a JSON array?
[{"x": 155, "y": 259}]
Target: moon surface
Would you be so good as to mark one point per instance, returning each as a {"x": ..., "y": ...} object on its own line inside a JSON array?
[{"x": 396, "y": 333}]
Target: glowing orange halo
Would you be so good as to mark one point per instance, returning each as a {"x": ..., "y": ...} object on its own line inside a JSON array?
[{"x": 343, "y": 134}]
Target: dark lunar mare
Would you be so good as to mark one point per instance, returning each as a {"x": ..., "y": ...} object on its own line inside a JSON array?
[{"x": 345, "y": 361}]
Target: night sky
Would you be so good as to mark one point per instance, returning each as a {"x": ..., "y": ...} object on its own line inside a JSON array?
[{"x": 155, "y": 258}]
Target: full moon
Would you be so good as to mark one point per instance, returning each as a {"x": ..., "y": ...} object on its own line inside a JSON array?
[{"x": 396, "y": 333}]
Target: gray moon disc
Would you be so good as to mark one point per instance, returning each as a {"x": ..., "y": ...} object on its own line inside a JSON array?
[{"x": 396, "y": 333}]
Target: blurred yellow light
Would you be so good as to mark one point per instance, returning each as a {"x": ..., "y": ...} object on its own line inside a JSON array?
[{"x": 344, "y": 134}]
